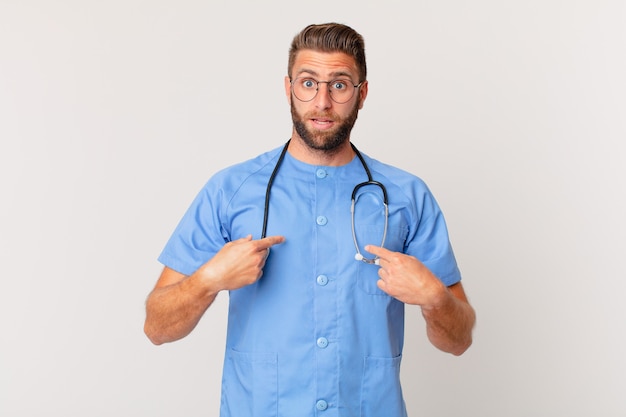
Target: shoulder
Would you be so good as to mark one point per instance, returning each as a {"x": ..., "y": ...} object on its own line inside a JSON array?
[
  {"x": 232, "y": 177},
  {"x": 404, "y": 188},
  {"x": 395, "y": 175}
]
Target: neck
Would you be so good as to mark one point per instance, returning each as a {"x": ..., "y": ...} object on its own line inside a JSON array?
[{"x": 341, "y": 155}]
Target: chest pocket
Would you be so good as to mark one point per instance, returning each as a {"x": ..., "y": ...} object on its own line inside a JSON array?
[{"x": 367, "y": 274}]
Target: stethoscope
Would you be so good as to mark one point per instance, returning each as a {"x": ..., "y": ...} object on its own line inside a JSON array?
[{"x": 358, "y": 256}]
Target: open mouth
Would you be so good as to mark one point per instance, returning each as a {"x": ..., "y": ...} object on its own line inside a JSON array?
[{"x": 322, "y": 122}]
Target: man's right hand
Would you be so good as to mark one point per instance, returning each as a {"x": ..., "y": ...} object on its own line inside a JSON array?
[
  {"x": 177, "y": 302},
  {"x": 238, "y": 263}
]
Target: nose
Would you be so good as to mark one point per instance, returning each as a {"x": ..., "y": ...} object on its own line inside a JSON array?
[{"x": 322, "y": 98}]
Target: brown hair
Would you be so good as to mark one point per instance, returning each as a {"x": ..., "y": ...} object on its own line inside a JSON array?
[{"x": 330, "y": 37}]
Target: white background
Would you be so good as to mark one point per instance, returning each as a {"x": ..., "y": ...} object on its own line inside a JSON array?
[{"x": 113, "y": 114}]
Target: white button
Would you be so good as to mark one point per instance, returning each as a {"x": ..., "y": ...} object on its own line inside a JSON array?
[
  {"x": 321, "y": 405},
  {"x": 322, "y": 280},
  {"x": 322, "y": 220},
  {"x": 321, "y": 173},
  {"x": 322, "y": 342}
]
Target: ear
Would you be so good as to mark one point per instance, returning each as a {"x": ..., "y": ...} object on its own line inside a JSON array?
[
  {"x": 288, "y": 88},
  {"x": 363, "y": 93}
]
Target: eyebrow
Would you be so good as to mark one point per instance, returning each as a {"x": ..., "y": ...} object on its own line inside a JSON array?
[{"x": 333, "y": 75}]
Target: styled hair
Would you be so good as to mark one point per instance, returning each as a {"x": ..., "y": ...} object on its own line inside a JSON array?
[{"x": 330, "y": 37}]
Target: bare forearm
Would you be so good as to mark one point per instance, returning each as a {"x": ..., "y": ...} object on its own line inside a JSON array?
[
  {"x": 173, "y": 311},
  {"x": 449, "y": 325}
]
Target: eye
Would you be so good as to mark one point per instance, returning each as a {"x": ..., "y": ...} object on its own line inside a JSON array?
[
  {"x": 308, "y": 83},
  {"x": 339, "y": 85}
]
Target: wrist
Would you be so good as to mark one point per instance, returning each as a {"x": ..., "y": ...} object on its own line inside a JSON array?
[
  {"x": 205, "y": 282},
  {"x": 439, "y": 300}
]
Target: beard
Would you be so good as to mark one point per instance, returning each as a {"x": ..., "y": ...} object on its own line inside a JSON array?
[{"x": 326, "y": 141}]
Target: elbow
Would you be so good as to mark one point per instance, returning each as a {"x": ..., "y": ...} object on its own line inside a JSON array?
[
  {"x": 465, "y": 340},
  {"x": 461, "y": 348},
  {"x": 154, "y": 336},
  {"x": 159, "y": 334},
  {"x": 455, "y": 346},
  {"x": 153, "y": 327},
  {"x": 463, "y": 344},
  {"x": 455, "y": 343}
]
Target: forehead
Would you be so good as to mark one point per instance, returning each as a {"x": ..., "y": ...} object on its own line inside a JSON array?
[{"x": 324, "y": 64}]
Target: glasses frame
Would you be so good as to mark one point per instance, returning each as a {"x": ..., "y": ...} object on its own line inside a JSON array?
[{"x": 328, "y": 83}]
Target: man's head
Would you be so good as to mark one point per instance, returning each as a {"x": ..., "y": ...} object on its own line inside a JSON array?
[
  {"x": 326, "y": 84},
  {"x": 330, "y": 37}
]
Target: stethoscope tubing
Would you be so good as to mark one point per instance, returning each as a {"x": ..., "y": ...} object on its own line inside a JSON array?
[{"x": 359, "y": 256}]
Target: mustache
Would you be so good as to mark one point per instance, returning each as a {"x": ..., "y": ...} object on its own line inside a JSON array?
[{"x": 323, "y": 115}]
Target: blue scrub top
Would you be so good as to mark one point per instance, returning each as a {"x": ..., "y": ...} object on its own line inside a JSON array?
[{"x": 315, "y": 336}]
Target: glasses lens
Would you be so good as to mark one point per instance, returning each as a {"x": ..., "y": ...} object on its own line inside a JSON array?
[
  {"x": 305, "y": 89},
  {"x": 341, "y": 90}
]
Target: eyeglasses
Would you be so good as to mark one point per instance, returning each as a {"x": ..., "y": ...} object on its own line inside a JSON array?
[{"x": 340, "y": 90}]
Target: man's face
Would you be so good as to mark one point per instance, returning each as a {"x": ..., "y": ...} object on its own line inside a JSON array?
[{"x": 321, "y": 123}]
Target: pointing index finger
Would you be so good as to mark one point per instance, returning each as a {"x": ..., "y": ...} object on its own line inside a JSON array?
[
  {"x": 269, "y": 241},
  {"x": 378, "y": 251}
]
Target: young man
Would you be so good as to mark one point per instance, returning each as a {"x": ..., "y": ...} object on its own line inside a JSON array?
[{"x": 312, "y": 327}]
